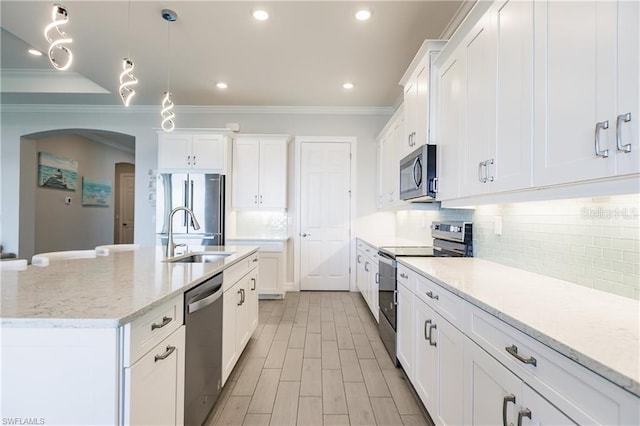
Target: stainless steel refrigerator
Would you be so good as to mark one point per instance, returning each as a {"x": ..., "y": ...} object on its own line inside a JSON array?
[{"x": 204, "y": 194}]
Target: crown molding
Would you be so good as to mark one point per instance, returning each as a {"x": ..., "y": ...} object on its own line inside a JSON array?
[{"x": 194, "y": 109}]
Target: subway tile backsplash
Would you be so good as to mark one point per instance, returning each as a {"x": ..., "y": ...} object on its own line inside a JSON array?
[{"x": 594, "y": 242}]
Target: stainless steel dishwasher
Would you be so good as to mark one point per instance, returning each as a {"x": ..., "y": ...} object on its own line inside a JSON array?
[{"x": 203, "y": 353}]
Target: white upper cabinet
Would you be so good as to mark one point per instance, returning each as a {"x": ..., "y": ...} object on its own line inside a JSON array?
[
  {"x": 451, "y": 124},
  {"x": 260, "y": 172},
  {"x": 586, "y": 79},
  {"x": 420, "y": 92},
  {"x": 498, "y": 139},
  {"x": 185, "y": 151},
  {"x": 389, "y": 148}
]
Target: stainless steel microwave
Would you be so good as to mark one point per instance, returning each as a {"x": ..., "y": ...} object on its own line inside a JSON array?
[{"x": 418, "y": 178}]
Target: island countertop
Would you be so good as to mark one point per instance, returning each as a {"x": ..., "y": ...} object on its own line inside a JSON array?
[
  {"x": 599, "y": 330},
  {"x": 105, "y": 292}
]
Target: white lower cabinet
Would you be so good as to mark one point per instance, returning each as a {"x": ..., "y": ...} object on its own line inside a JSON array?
[
  {"x": 367, "y": 275},
  {"x": 494, "y": 395},
  {"x": 469, "y": 367},
  {"x": 239, "y": 313},
  {"x": 154, "y": 384},
  {"x": 405, "y": 329}
]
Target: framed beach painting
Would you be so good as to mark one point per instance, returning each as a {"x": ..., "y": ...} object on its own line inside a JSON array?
[
  {"x": 57, "y": 172},
  {"x": 96, "y": 192}
]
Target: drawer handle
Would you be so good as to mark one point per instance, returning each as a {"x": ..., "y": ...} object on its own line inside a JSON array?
[
  {"x": 165, "y": 355},
  {"x": 377, "y": 278},
  {"x": 431, "y": 342},
  {"x": 254, "y": 284},
  {"x": 359, "y": 256},
  {"x": 426, "y": 330},
  {"x": 240, "y": 293},
  {"x": 433, "y": 296},
  {"x": 165, "y": 321},
  {"x": 523, "y": 413},
  {"x": 507, "y": 399},
  {"x": 403, "y": 275},
  {"x": 513, "y": 351},
  {"x": 255, "y": 260}
]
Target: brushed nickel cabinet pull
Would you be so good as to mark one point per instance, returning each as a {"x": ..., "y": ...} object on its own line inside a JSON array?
[
  {"x": 513, "y": 351},
  {"x": 431, "y": 342},
  {"x": 601, "y": 125},
  {"x": 165, "y": 355},
  {"x": 523, "y": 413},
  {"x": 622, "y": 118},
  {"x": 188, "y": 160},
  {"x": 507, "y": 399},
  {"x": 432, "y": 296},
  {"x": 403, "y": 275},
  {"x": 254, "y": 284},
  {"x": 426, "y": 329},
  {"x": 165, "y": 321}
]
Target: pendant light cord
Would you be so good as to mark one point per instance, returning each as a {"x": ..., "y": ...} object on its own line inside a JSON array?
[{"x": 169, "y": 55}]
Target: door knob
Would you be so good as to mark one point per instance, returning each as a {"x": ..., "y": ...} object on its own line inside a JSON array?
[{"x": 306, "y": 235}]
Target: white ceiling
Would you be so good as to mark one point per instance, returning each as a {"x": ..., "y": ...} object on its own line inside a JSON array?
[{"x": 299, "y": 57}]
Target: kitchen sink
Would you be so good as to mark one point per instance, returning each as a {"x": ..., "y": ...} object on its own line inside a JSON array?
[{"x": 208, "y": 257}]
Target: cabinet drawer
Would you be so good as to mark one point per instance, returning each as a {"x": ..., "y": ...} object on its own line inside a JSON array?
[
  {"x": 143, "y": 333},
  {"x": 447, "y": 304},
  {"x": 580, "y": 393},
  {"x": 406, "y": 277},
  {"x": 239, "y": 269}
]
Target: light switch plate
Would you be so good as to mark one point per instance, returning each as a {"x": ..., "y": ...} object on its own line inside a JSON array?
[{"x": 497, "y": 225}]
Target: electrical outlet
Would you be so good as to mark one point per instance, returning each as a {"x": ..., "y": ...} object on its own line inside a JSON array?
[{"x": 497, "y": 225}]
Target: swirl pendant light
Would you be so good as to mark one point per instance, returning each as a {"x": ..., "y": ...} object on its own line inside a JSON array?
[
  {"x": 59, "y": 17},
  {"x": 167, "y": 104},
  {"x": 127, "y": 79}
]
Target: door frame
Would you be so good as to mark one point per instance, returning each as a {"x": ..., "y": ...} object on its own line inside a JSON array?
[
  {"x": 296, "y": 205},
  {"x": 120, "y": 203}
]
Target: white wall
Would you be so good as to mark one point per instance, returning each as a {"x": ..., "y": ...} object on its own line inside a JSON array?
[
  {"x": 58, "y": 226},
  {"x": 18, "y": 121}
]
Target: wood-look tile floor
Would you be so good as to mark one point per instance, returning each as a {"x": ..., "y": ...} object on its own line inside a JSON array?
[{"x": 316, "y": 359}]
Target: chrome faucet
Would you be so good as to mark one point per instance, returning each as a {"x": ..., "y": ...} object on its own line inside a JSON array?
[{"x": 171, "y": 246}]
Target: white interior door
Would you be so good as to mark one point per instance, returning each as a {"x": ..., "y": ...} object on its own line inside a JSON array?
[
  {"x": 127, "y": 200},
  {"x": 325, "y": 214}
]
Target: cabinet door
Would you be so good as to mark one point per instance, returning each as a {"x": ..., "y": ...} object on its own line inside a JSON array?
[
  {"x": 229, "y": 331},
  {"x": 513, "y": 148},
  {"x": 361, "y": 274},
  {"x": 405, "y": 329},
  {"x": 450, "y": 379},
  {"x": 241, "y": 291},
  {"x": 479, "y": 50},
  {"x": 422, "y": 104},
  {"x": 251, "y": 300},
  {"x": 208, "y": 152},
  {"x": 628, "y": 86},
  {"x": 271, "y": 275},
  {"x": 273, "y": 174},
  {"x": 542, "y": 412},
  {"x": 154, "y": 385},
  {"x": 425, "y": 368},
  {"x": 372, "y": 287},
  {"x": 410, "y": 105},
  {"x": 574, "y": 76},
  {"x": 489, "y": 389},
  {"x": 174, "y": 151},
  {"x": 450, "y": 129},
  {"x": 246, "y": 165}
]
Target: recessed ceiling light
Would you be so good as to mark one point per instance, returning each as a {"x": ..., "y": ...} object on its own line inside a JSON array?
[
  {"x": 348, "y": 86},
  {"x": 221, "y": 85},
  {"x": 260, "y": 15},
  {"x": 35, "y": 52},
  {"x": 363, "y": 14}
]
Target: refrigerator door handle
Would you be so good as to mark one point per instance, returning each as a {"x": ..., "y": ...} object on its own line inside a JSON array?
[
  {"x": 186, "y": 199},
  {"x": 222, "y": 210},
  {"x": 191, "y": 204}
]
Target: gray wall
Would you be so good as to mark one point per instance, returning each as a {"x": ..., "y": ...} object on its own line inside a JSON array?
[
  {"x": 142, "y": 123},
  {"x": 58, "y": 226}
]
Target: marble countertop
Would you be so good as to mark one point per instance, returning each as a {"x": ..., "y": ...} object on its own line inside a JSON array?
[
  {"x": 263, "y": 238},
  {"x": 599, "y": 330},
  {"x": 378, "y": 242},
  {"x": 104, "y": 292}
]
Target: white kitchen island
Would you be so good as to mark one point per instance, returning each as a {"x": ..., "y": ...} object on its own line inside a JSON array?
[{"x": 75, "y": 332}]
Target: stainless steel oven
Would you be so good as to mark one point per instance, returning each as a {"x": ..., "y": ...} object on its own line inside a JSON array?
[{"x": 451, "y": 239}]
